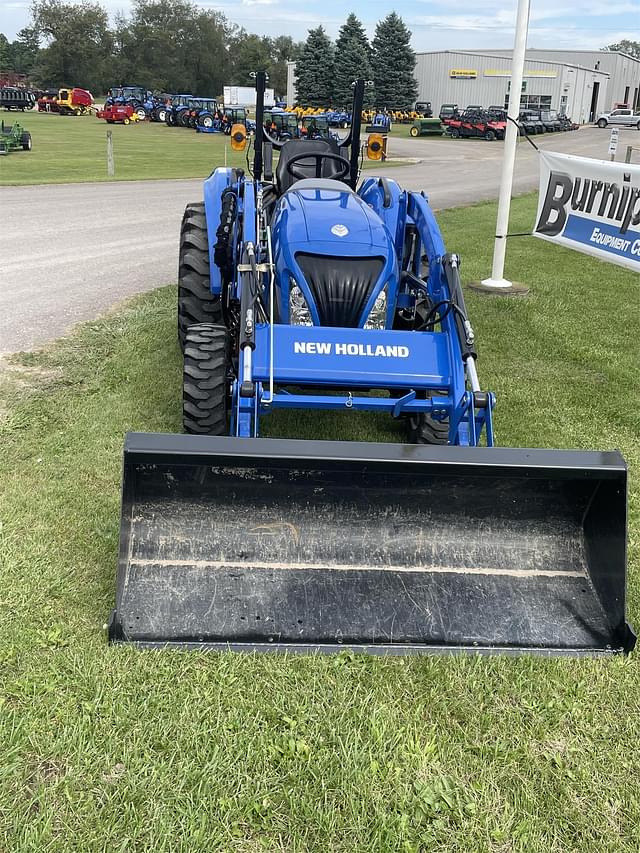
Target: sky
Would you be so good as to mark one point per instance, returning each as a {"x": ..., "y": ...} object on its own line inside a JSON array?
[{"x": 443, "y": 25}]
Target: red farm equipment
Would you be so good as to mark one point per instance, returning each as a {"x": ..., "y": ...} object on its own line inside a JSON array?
[{"x": 118, "y": 114}]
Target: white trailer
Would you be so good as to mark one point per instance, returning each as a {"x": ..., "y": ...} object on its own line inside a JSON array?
[{"x": 245, "y": 96}]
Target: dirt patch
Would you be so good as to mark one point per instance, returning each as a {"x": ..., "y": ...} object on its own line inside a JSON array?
[{"x": 19, "y": 378}]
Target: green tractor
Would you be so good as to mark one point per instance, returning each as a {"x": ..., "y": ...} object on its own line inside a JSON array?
[{"x": 13, "y": 138}]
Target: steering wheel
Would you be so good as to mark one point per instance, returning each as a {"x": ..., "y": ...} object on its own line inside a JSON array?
[{"x": 344, "y": 166}]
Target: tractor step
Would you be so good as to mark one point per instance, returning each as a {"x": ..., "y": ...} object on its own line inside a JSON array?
[{"x": 276, "y": 544}]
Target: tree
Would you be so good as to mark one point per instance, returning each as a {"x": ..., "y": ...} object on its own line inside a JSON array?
[
  {"x": 23, "y": 52},
  {"x": 79, "y": 44},
  {"x": 249, "y": 53},
  {"x": 626, "y": 46},
  {"x": 283, "y": 49},
  {"x": 314, "y": 71},
  {"x": 352, "y": 61},
  {"x": 5, "y": 53},
  {"x": 174, "y": 46},
  {"x": 393, "y": 63}
]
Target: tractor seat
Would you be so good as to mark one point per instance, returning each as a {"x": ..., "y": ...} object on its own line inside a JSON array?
[{"x": 294, "y": 147}]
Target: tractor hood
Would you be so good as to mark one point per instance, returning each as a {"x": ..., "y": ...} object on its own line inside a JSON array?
[
  {"x": 337, "y": 249},
  {"x": 325, "y": 217}
]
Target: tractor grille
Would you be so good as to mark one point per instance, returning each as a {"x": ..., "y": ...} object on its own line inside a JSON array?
[{"x": 340, "y": 286}]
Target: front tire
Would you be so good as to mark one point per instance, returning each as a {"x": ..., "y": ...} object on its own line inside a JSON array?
[
  {"x": 424, "y": 429},
  {"x": 489, "y": 135},
  {"x": 413, "y": 131},
  {"x": 602, "y": 122},
  {"x": 27, "y": 145},
  {"x": 454, "y": 133},
  {"x": 196, "y": 303},
  {"x": 205, "y": 380}
]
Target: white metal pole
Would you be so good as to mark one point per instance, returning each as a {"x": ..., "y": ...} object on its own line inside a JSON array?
[{"x": 497, "y": 280}]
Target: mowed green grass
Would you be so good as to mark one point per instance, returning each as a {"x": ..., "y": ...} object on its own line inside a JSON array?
[
  {"x": 112, "y": 749},
  {"x": 71, "y": 149},
  {"x": 74, "y": 148}
]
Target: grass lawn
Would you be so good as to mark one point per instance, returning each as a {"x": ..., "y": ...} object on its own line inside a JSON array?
[
  {"x": 107, "y": 749},
  {"x": 74, "y": 148},
  {"x": 70, "y": 149}
]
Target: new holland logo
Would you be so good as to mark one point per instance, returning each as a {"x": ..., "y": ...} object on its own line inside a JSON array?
[
  {"x": 339, "y": 230},
  {"x": 329, "y": 348}
]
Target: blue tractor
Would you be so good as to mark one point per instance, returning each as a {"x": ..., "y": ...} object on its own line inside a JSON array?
[
  {"x": 141, "y": 100},
  {"x": 302, "y": 288},
  {"x": 339, "y": 118},
  {"x": 179, "y": 106},
  {"x": 381, "y": 124},
  {"x": 204, "y": 112}
]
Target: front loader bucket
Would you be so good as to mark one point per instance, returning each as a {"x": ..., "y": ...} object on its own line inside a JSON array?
[{"x": 301, "y": 545}]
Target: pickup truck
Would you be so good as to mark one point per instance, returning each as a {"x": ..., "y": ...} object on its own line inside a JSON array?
[{"x": 624, "y": 117}]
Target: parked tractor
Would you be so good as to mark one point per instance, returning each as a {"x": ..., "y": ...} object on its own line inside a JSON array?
[
  {"x": 203, "y": 111},
  {"x": 339, "y": 118},
  {"x": 140, "y": 99},
  {"x": 236, "y": 115},
  {"x": 280, "y": 126},
  {"x": 302, "y": 287},
  {"x": 381, "y": 123},
  {"x": 14, "y": 138},
  {"x": 179, "y": 103},
  {"x": 161, "y": 104},
  {"x": 316, "y": 127}
]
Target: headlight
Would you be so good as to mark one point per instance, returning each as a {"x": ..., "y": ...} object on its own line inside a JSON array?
[
  {"x": 377, "y": 318},
  {"x": 299, "y": 314}
]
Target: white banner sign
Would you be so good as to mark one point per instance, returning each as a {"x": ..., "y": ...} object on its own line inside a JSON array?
[{"x": 592, "y": 206}]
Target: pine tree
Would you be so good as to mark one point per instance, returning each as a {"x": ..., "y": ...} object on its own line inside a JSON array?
[
  {"x": 353, "y": 61},
  {"x": 393, "y": 63},
  {"x": 315, "y": 70}
]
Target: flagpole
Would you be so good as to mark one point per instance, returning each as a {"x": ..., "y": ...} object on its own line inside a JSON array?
[{"x": 498, "y": 283}]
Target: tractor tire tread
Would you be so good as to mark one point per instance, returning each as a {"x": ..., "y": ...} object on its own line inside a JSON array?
[
  {"x": 423, "y": 429},
  {"x": 204, "y": 395},
  {"x": 196, "y": 304}
]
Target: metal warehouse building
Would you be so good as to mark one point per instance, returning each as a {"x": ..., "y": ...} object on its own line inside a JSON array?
[{"x": 578, "y": 83}]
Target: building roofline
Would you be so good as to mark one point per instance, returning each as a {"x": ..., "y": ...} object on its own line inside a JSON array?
[
  {"x": 539, "y": 61},
  {"x": 587, "y": 50}
]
